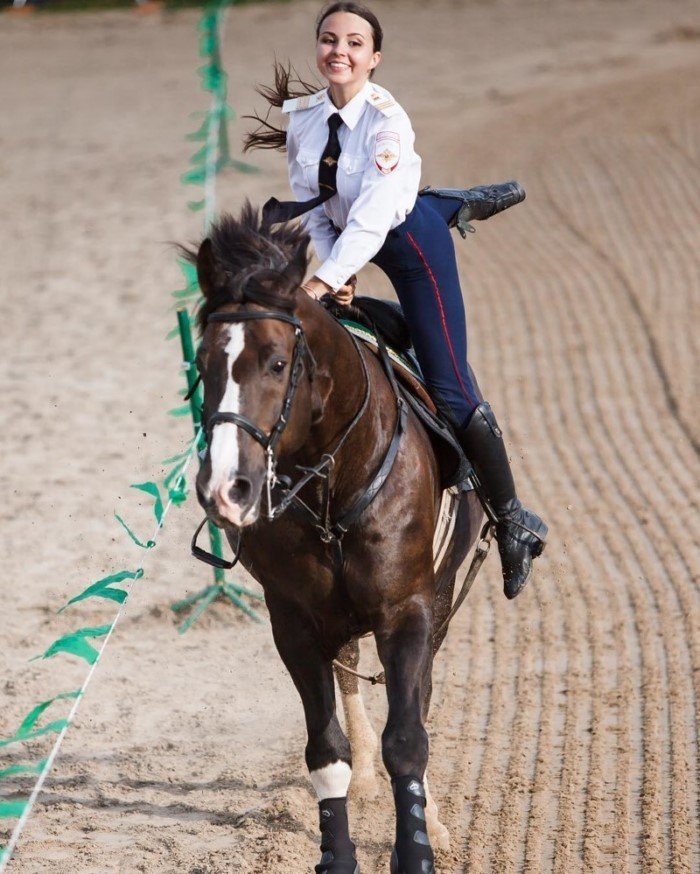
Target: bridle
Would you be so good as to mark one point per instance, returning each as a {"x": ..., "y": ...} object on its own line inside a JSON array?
[
  {"x": 288, "y": 492},
  {"x": 267, "y": 441}
]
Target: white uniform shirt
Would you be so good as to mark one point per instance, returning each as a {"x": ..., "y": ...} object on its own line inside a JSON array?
[{"x": 377, "y": 179}]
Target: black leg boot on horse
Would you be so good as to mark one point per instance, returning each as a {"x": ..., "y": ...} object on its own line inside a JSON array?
[
  {"x": 520, "y": 533},
  {"x": 412, "y": 841},
  {"x": 337, "y": 849}
]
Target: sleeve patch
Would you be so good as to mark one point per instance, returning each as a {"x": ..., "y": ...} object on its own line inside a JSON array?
[{"x": 387, "y": 151}]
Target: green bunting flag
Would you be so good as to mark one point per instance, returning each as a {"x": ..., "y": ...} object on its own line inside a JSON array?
[
  {"x": 102, "y": 588},
  {"x": 27, "y": 729},
  {"x": 152, "y": 489},
  {"x": 76, "y": 643},
  {"x": 180, "y": 411},
  {"x": 23, "y": 769},
  {"x": 12, "y": 809},
  {"x": 149, "y": 544}
]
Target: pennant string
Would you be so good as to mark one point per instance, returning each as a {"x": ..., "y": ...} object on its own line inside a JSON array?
[
  {"x": 23, "y": 809},
  {"x": 208, "y": 160}
]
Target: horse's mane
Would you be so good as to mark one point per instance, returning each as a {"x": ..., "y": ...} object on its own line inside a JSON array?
[{"x": 251, "y": 261}]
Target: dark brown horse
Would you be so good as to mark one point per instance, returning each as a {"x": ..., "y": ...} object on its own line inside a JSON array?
[{"x": 302, "y": 421}]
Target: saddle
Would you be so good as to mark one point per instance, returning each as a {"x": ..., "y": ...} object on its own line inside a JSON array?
[{"x": 381, "y": 325}]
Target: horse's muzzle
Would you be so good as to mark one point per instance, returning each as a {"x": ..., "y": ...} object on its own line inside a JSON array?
[{"x": 235, "y": 502}]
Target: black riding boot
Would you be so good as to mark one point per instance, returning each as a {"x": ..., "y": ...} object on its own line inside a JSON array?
[
  {"x": 520, "y": 533},
  {"x": 480, "y": 202}
]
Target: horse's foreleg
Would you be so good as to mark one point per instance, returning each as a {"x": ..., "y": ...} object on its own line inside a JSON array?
[
  {"x": 327, "y": 752},
  {"x": 363, "y": 738},
  {"x": 404, "y": 643}
]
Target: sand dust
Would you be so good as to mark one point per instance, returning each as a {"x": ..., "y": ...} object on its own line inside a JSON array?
[{"x": 564, "y": 727}]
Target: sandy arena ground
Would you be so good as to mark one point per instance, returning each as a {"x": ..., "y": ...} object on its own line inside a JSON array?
[{"x": 564, "y": 729}]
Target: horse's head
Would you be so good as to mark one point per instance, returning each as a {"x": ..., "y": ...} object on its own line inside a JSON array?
[{"x": 256, "y": 368}]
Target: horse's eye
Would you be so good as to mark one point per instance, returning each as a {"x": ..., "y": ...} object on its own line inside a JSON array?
[{"x": 278, "y": 366}]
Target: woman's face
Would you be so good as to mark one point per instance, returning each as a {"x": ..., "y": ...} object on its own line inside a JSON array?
[{"x": 345, "y": 49}]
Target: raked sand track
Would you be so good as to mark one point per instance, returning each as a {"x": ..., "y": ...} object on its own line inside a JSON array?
[{"x": 564, "y": 729}]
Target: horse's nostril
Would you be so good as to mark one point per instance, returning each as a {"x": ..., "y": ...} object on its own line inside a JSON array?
[{"x": 240, "y": 491}]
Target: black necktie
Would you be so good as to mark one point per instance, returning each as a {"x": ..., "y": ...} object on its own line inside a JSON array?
[{"x": 274, "y": 211}]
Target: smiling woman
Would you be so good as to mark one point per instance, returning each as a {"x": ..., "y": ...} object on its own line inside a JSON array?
[{"x": 355, "y": 174}]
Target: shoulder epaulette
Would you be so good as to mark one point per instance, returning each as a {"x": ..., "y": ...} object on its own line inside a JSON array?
[
  {"x": 304, "y": 102},
  {"x": 385, "y": 103}
]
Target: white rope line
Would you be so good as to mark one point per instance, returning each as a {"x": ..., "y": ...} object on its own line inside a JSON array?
[
  {"x": 38, "y": 786},
  {"x": 209, "y": 214}
]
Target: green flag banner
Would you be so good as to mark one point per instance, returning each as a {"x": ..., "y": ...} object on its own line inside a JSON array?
[
  {"x": 23, "y": 769},
  {"x": 103, "y": 588},
  {"x": 12, "y": 809},
  {"x": 27, "y": 729},
  {"x": 76, "y": 643}
]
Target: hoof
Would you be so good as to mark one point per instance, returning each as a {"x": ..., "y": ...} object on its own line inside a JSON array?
[{"x": 439, "y": 836}]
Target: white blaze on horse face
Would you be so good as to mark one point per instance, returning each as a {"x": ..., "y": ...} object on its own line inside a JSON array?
[
  {"x": 224, "y": 449},
  {"x": 331, "y": 781}
]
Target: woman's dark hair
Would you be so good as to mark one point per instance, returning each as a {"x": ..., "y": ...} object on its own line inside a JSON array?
[
  {"x": 356, "y": 9},
  {"x": 288, "y": 83}
]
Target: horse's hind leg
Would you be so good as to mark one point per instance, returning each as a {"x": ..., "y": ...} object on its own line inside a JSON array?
[
  {"x": 327, "y": 750},
  {"x": 437, "y": 832},
  {"x": 439, "y": 835},
  {"x": 363, "y": 738}
]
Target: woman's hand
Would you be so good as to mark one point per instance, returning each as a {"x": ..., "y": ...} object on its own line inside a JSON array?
[
  {"x": 346, "y": 293},
  {"x": 316, "y": 288}
]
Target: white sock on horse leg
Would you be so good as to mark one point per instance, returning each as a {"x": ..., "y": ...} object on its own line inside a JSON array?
[
  {"x": 362, "y": 736},
  {"x": 438, "y": 833},
  {"x": 332, "y": 781}
]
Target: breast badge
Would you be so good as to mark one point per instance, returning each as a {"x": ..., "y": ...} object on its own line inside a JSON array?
[{"x": 387, "y": 151}]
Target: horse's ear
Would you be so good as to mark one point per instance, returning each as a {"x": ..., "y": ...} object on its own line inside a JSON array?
[
  {"x": 209, "y": 274},
  {"x": 295, "y": 271}
]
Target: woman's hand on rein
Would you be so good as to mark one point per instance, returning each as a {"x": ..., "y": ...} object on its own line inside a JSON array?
[
  {"x": 346, "y": 293},
  {"x": 316, "y": 288}
]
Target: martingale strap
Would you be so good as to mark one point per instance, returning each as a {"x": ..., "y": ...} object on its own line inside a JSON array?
[
  {"x": 354, "y": 513},
  {"x": 333, "y": 532},
  {"x": 385, "y": 469}
]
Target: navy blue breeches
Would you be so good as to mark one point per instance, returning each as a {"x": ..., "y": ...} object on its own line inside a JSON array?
[{"x": 418, "y": 256}]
